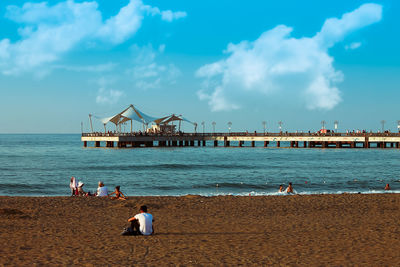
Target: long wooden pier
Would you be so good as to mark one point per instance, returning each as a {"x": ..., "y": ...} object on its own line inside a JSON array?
[{"x": 242, "y": 139}]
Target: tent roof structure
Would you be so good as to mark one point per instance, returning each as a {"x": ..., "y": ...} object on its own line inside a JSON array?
[
  {"x": 173, "y": 117},
  {"x": 130, "y": 113}
]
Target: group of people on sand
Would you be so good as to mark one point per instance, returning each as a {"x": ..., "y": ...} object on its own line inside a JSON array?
[
  {"x": 102, "y": 191},
  {"x": 140, "y": 224}
]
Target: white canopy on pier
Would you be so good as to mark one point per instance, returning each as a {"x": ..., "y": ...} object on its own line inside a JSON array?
[{"x": 130, "y": 113}]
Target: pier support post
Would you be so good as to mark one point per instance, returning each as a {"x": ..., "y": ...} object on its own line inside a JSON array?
[
  {"x": 84, "y": 143},
  {"x": 305, "y": 144},
  {"x": 266, "y": 143},
  {"x": 149, "y": 144},
  {"x": 240, "y": 143},
  {"x": 291, "y": 143},
  {"x": 278, "y": 143},
  {"x": 215, "y": 143},
  {"x": 253, "y": 143},
  {"x": 296, "y": 143},
  {"x": 310, "y": 144},
  {"x": 97, "y": 144},
  {"x": 366, "y": 142},
  {"x": 398, "y": 145},
  {"x": 198, "y": 143},
  {"x": 353, "y": 144},
  {"x": 174, "y": 143},
  {"x": 204, "y": 142},
  {"x": 191, "y": 143}
]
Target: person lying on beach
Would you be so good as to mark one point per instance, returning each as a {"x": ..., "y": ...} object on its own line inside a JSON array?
[
  {"x": 118, "y": 194},
  {"x": 102, "y": 190},
  {"x": 289, "y": 189},
  {"x": 387, "y": 187},
  {"x": 280, "y": 189},
  {"x": 141, "y": 224}
]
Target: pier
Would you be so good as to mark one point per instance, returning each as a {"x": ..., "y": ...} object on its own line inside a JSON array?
[{"x": 243, "y": 139}]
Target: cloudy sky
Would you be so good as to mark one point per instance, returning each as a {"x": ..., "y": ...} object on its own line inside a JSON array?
[{"x": 299, "y": 62}]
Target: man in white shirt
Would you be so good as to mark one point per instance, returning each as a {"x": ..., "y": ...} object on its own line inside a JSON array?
[
  {"x": 102, "y": 190},
  {"x": 141, "y": 224}
]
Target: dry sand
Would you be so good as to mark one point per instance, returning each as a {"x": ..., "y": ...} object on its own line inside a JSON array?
[{"x": 319, "y": 230}]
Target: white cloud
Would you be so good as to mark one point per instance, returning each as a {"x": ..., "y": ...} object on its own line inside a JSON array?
[
  {"x": 111, "y": 96},
  {"x": 166, "y": 15},
  {"x": 147, "y": 73},
  {"x": 278, "y": 62},
  {"x": 89, "y": 68},
  {"x": 353, "y": 46},
  {"x": 49, "y": 32}
]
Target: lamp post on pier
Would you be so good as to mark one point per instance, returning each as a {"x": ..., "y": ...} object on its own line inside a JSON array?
[
  {"x": 195, "y": 127},
  {"x": 323, "y": 124},
  {"x": 264, "y": 123},
  {"x": 280, "y": 126},
  {"x": 213, "y": 124},
  {"x": 229, "y": 127},
  {"x": 383, "y": 125},
  {"x": 203, "y": 124}
]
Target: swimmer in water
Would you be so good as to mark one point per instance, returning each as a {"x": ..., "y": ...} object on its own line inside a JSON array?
[
  {"x": 387, "y": 187},
  {"x": 289, "y": 189},
  {"x": 280, "y": 188}
]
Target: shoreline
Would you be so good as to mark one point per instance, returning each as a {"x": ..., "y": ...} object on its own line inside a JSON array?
[
  {"x": 251, "y": 194},
  {"x": 340, "y": 229}
]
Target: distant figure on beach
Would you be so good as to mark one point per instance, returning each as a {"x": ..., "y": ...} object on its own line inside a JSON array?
[
  {"x": 73, "y": 186},
  {"x": 81, "y": 192},
  {"x": 141, "y": 224},
  {"x": 118, "y": 194},
  {"x": 80, "y": 189},
  {"x": 289, "y": 189},
  {"x": 281, "y": 189},
  {"x": 387, "y": 187},
  {"x": 102, "y": 190}
]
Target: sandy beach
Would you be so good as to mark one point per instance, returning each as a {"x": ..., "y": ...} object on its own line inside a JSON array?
[{"x": 318, "y": 230}]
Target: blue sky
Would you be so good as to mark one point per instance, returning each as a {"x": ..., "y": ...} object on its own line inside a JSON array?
[{"x": 299, "y": 62}]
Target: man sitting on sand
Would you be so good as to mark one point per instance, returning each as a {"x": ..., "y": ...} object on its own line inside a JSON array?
[
  {"x": 141, "y": 224},
  {"x": 102, "y": 190}
]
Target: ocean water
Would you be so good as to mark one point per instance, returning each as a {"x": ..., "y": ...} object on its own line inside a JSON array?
[{"x": 41, "y": 165}]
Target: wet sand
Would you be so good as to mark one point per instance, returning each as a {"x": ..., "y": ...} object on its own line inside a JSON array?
[{"x": 318, "y": 230}]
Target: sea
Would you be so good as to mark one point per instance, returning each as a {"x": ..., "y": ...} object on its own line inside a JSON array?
[{"x": 42, "y": 165}]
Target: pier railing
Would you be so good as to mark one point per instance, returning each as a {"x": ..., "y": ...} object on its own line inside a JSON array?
[{"x": 302, "y": 134}]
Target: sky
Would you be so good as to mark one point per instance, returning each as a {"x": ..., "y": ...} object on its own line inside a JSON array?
[{"x": 245, "y": 62}]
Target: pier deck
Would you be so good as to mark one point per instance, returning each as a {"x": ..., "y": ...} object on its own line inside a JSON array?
[{"x": 240, "y": 139}]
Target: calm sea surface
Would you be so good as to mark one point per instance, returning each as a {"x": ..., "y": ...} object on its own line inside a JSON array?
[{"x": 41, "y": 165}]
